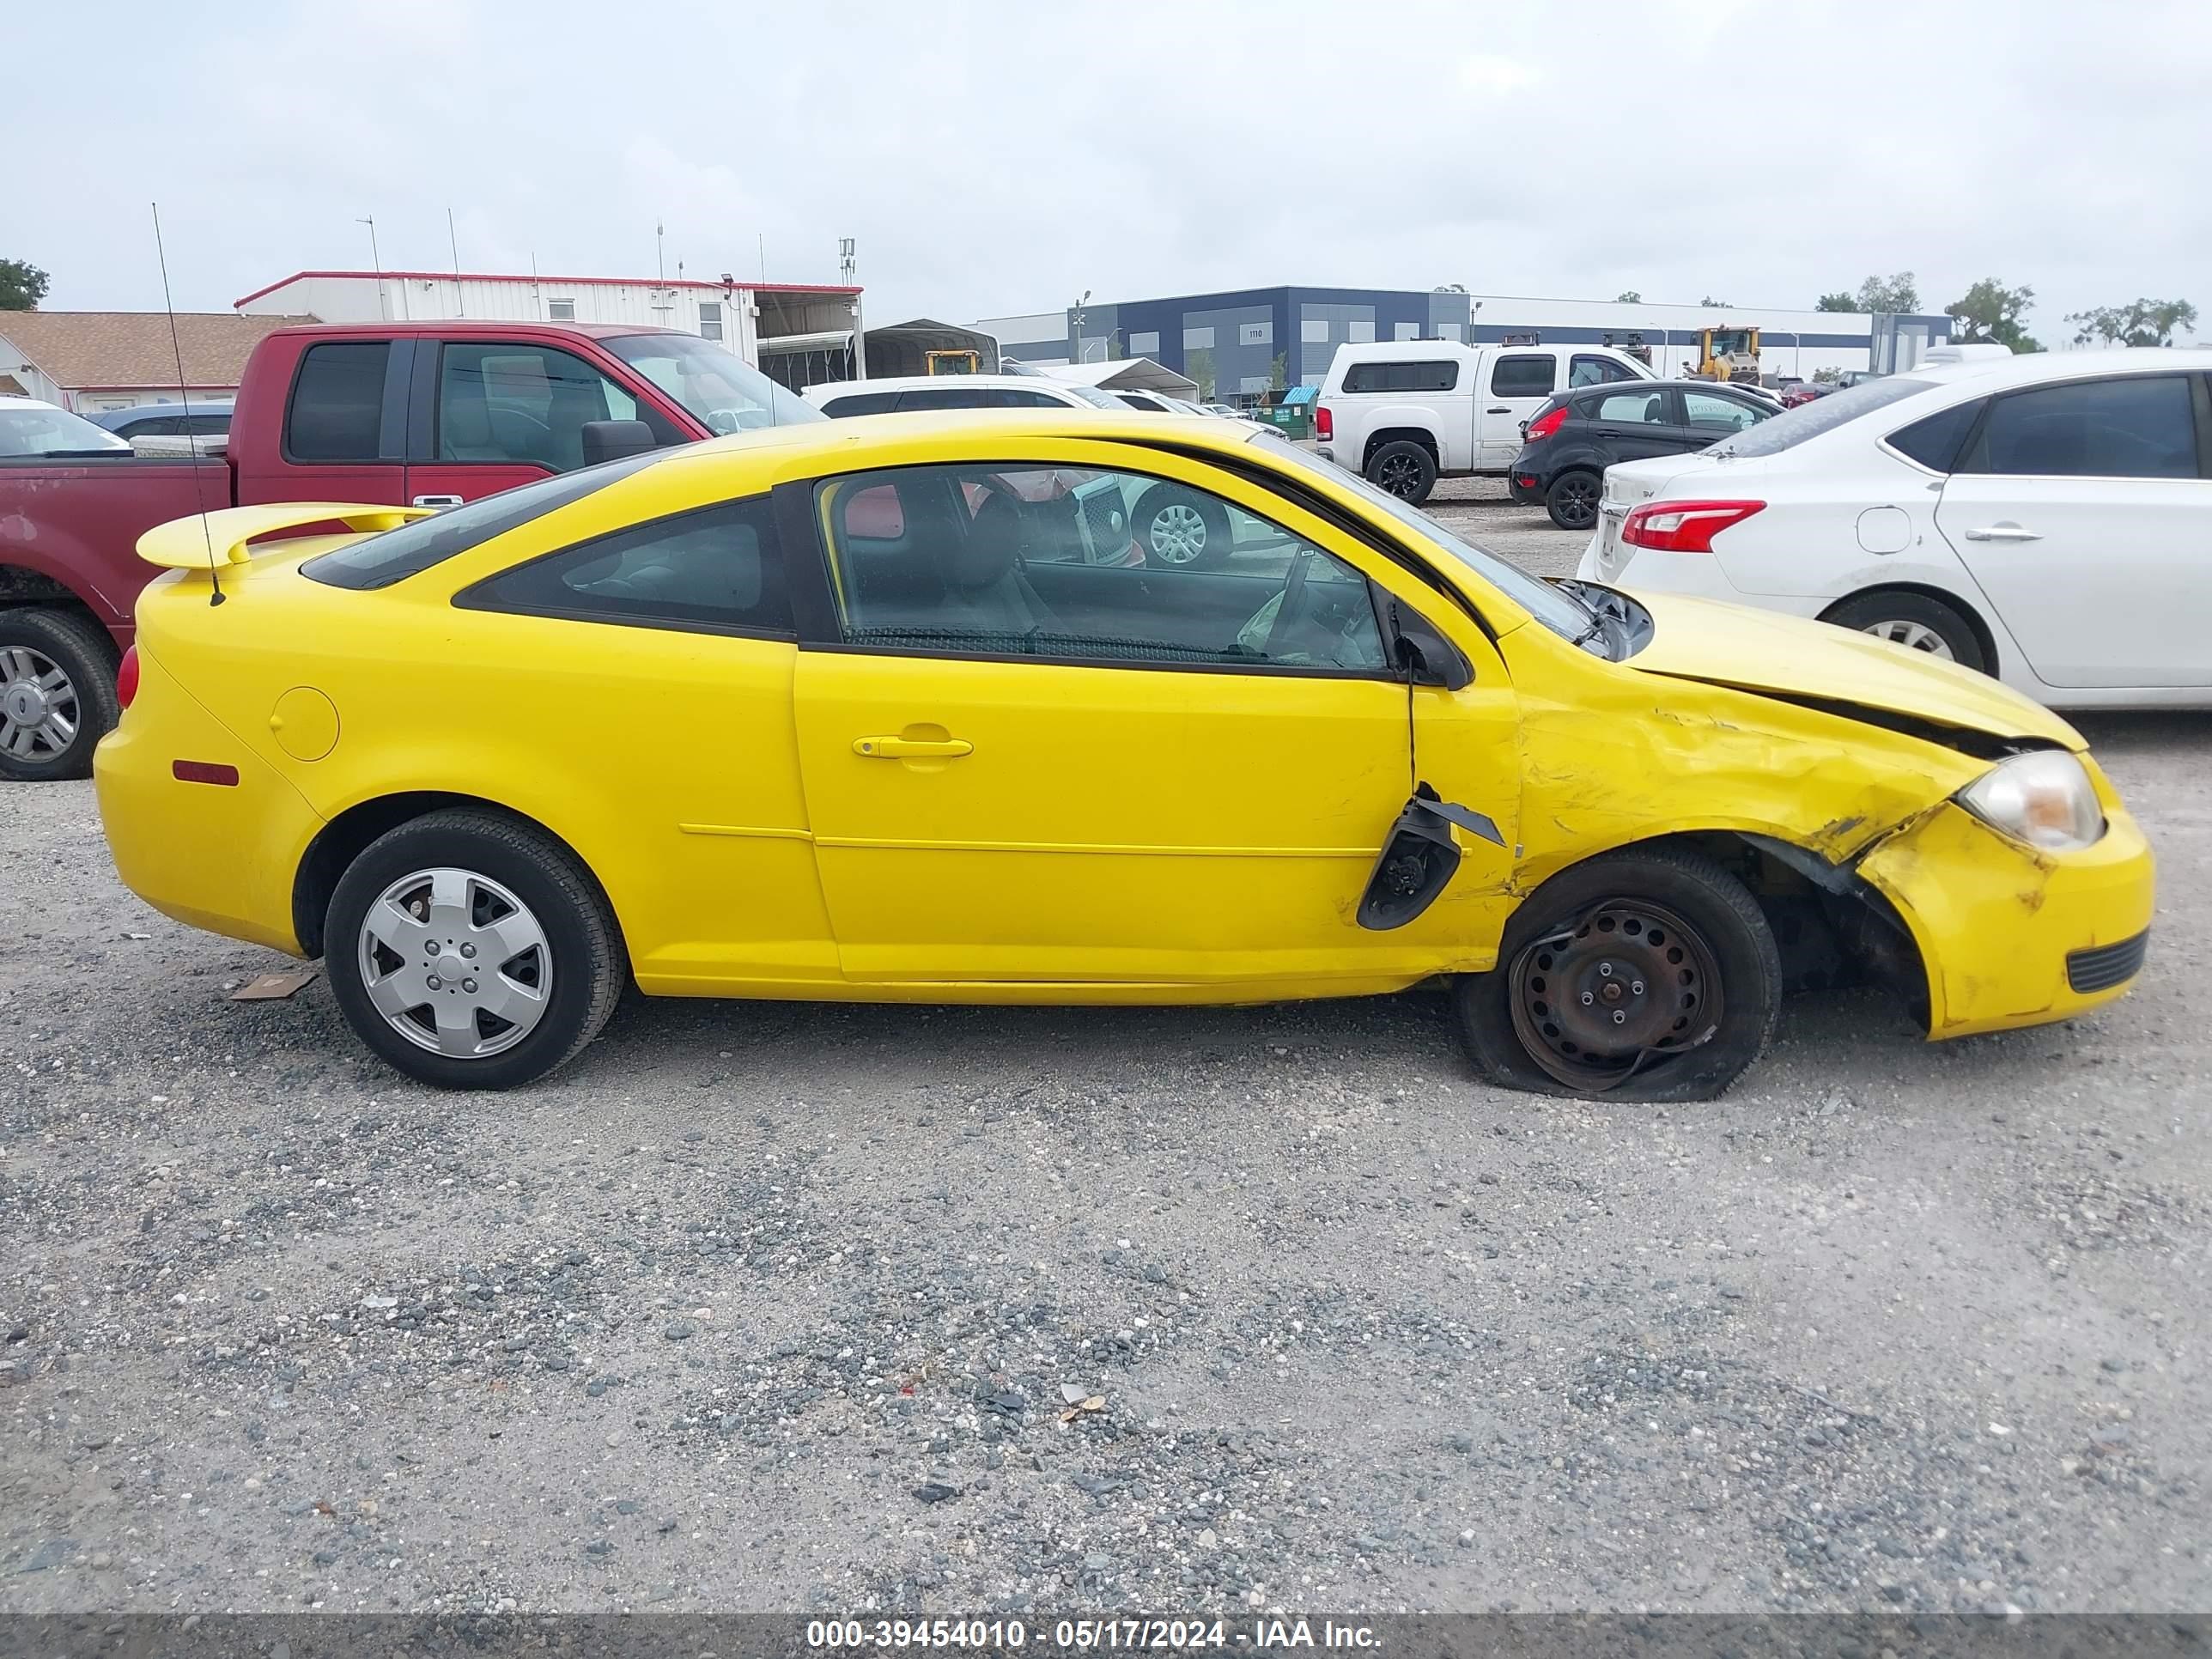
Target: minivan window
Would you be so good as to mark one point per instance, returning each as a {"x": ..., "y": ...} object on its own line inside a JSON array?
[
  {"x": 1526, "y": 376},
  {"x": 337, "y": 412},
  {"x": 1793, "y": 426},
  {"x": 2139, "y": 426}
]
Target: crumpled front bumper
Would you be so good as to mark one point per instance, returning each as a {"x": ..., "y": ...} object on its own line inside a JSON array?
[{"x": 2006, "y": 933}]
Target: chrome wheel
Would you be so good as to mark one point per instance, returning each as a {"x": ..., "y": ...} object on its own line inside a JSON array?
[
  {"x": 1630, "y": 983},
  {"x": 1176, "y": 534},
  {"x": 1912, "y": 636},
  {"x": 455, "y": 962},
  {"x": 39, "y": 711}
]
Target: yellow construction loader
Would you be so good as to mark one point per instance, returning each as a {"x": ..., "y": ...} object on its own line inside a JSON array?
[{"x": 1729, "y": 354}]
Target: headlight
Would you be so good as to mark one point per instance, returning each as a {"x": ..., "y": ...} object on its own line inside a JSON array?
[{"x": 2044, "y": 798}]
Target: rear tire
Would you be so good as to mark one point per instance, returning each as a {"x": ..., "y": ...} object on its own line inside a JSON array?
[
  {"x": 56, "y": 693},
  {"x": 464, "y": 886},
  {"x": 1916, "y": 622},
  {"x": 1682, "y": 980},
  {"x": 1404, "y": 468},
  {"x": 1572, "y": 500}
]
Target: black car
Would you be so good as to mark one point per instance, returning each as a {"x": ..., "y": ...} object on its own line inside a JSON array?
[{"x": 1574, "y": 437}]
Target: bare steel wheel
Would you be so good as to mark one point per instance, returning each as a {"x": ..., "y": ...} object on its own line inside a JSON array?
[
  {"x": 455, "y": 962},
  {"x": 38, "y": 710},
  {"x": 1596, "y": 1003}
]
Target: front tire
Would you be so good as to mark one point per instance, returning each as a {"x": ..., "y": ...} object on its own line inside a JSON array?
[
  {"x": 1645, "y": 975},
  {"x": 1916, "y": 622},
  {"x": 470, "y": 950},
  {"x": 1404, "y": 468},
  {"x": 1572, "y": 500},
  {"x": 1180, "y": 531},
  {"x": 56, "y": 693}
]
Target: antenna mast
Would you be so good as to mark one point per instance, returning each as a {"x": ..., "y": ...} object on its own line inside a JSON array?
[{"x": 199, "y": 473}]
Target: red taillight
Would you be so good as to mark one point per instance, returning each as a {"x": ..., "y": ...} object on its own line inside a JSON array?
[
  {"x": 1324, "y": 423},
  {"x": 185, "y": 771},
  {"x": 126, "y": 677},
  {"x": 1544, "y": 425},
  {"x": 1684, "y": 526}
]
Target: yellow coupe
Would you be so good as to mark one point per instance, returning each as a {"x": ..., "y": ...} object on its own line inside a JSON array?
[{"x": 905, "y": 708}]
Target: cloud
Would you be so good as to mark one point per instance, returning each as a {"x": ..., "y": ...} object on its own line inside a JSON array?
[{"x": 997, "y": 156}]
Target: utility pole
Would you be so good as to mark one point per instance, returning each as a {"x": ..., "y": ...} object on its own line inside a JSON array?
[
  {"x": 376, "y": 263},
  {"x": 1075, "y": 334},
  {"x": 848, "y": 265},
  {"x": 460, "y": 306}
]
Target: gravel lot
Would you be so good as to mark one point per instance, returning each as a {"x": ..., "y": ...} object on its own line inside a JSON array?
[{"x": 778, "y": 1307}]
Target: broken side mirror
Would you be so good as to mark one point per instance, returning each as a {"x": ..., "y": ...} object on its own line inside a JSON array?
[
  {"x": 1419, "y": 858},
  {"x": 1421, "y": 650}
]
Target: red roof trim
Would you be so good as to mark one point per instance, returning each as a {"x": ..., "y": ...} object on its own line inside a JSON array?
[{"x": 569, "y": 282}]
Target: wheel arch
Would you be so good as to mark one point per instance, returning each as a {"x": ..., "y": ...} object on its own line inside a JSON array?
[
  {"x": 20, "y": 584},
  {"x": 1971, "y": 614},
  {"x": 1391, "y": 435},
  {"x": 341, "y": 841},
  {"x": 1794, "y": 885}
]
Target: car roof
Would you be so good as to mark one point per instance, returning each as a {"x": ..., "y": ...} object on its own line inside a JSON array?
[
  {"x": 804, "y": 444},
  {"x": 907, "y": 382},
  {"x": 2034, "y": 368},
  {"x": 460, "y": 327},
  {"x": 12, "y": 402}
]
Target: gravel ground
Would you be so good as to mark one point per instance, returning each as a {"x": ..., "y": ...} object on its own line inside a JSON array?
[{"x": 784, "y": 1307}]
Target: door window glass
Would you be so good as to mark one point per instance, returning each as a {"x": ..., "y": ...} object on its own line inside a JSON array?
[
  {"x": 861, "y": 403},
  {"x": 337, "y": 402},
  {"x": 1528, "y": 374},
  {"x": 1598, "y": 371},
  {"x": 1710, "y": 412},
  {"x": 518, "y": 402},
  {"x": 719, "y": 567},
  {"x": 2138, "y": 428},
  {"x": 1107, "y": 567},
  {"x": 1636, "y": 408}
]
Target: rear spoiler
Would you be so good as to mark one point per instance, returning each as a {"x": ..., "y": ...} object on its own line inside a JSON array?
[{"x": 221, "y": 537}]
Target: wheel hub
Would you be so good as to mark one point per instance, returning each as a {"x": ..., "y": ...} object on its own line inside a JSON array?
[
  {"x": 1913, "y": 636},
  {"x": 1178, "y": 534},
  {"x": 455, "y": 962},
  {"x": 1628, "y": 983},
  {"x": 38, "y": 704}
]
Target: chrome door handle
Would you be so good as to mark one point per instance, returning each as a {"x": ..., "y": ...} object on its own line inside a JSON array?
[
  {"x": 912, "y": 748},
  {"x": 2002, "y": 532},
  {"x": 435, "y": 501}
]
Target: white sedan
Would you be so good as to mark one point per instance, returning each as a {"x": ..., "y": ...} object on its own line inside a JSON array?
[{"x": 2045, "y": 518}]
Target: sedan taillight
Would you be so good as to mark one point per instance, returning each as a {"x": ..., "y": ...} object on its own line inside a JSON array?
[
  {"x": 126, "y": 677},
  {"x": 1684, "y": 526}
]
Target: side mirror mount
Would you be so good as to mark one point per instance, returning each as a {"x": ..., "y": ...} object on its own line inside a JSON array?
[
  {"x": 610, "y": 440},
  {"x": 1424, "y": 653}
]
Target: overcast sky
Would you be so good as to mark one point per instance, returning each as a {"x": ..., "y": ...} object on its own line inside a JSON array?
[{"x": 993, "y": 158}]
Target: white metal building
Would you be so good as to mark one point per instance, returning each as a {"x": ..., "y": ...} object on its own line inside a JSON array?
[{"x": 739, "y": 314}]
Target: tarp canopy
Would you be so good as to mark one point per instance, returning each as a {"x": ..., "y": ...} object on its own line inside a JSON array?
[
  {"x": 904, "y": 347},
  {"x": 1126, "y": 375}
]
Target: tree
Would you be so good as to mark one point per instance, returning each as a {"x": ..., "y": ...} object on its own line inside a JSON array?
[
  {"x": 1710, "y": 300},
  {"x": 22, "y": 285},
  {"x": 1839, "y": 301},
  {"x": 1827, "y": 376},
  {"x": 2145, "y": 323},
  {"x": 1989, "y": 312},
  {"x": 1900, "y": 293},
  {"x": 1629, "y": 297}
]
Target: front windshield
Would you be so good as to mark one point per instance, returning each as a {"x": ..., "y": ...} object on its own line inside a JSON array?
[
  {"x": 1792, "y": 426},
  {"x": 714, "y": 386},
  {"x": 54, "y": 432},
  {"x": 1562, "y": 613}
]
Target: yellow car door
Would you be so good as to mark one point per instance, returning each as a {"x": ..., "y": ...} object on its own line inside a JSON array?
[{"x": 1037, "y": 753}]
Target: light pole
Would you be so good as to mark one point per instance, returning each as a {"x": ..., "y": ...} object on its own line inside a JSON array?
[
  {"x": 1076, "y": 339},
  {"x": 376, "y": 263}
]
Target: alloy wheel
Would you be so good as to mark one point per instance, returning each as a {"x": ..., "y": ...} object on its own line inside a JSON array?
[
  {"x": 1912, "y": 636},
  {"x": 1576, "y": 500},
  {"x": 1628, "y": 984},
  {"x": 39, "y": 711},
  {"x": 1401, "y": 475},
  {"x": 455, "y": 962},
  {"x": 1176, "y": 534}
]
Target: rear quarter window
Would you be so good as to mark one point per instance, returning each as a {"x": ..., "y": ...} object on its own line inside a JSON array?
[
  {"x": 1934, "y": 442},
  {"x": 336, "y": 409},
  {"x": 1439, "y": 375}
]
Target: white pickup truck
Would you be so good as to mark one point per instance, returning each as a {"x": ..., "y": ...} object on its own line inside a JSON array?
[{"x": 1407, "y": 412}]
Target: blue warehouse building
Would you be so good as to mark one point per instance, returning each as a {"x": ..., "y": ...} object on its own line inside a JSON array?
[{"x": 1240, "y": 344}]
